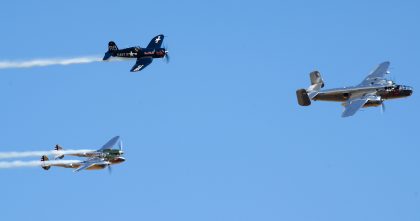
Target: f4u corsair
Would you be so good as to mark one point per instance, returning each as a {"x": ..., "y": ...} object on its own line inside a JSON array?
[
  {"x": 371, "y": 92},
  {"x": 99, "y": 159},
  {"x": 144, "y": 56}
]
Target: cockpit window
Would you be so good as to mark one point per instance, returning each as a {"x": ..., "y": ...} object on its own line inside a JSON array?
[{"x": 403, "y": 87}]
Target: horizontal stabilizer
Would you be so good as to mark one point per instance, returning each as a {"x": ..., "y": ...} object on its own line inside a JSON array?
[{"x": 107, "y": 56}]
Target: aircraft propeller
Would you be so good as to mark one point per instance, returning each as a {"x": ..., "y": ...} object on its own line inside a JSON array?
[
  {"x": 383, "y": 107},
  {"x": 109, "y": 169},
  {"x": 120, "y": 145},
  {"x": 166, "y": 54}
]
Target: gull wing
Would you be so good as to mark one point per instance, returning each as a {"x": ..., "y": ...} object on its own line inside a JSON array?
[
  {"x": 377, "y": 76},
  {"x": 156, "y": 42},
  {"x": 354, "y": 104},
  {"x": 141, "y": 63}
]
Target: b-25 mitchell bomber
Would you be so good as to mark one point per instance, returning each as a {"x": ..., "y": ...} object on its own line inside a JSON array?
[
  {"x": 371, "y": 92},
  {"x": 144, "y": 56},
  {"x": 98, "y": 159}
]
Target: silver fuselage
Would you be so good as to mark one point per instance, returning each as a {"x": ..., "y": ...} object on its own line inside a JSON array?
[
  {"x": 384, "y": 92},
  {"x": 75, "y": 163}
]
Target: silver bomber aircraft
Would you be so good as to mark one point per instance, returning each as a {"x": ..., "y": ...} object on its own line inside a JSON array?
[
  {"x": 99, "y": 159},
  {"x": 371, "y": 92}
]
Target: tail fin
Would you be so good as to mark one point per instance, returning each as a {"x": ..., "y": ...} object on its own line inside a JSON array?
[
  {"x": 58, "y": 148},
  {"x": 316, "y": 84},
  {"x": 112, "y": 47},
  {"x": 305, "y": 96},
  {"x": 316, "y": 78},
  {"x": 44, "y": 166}
]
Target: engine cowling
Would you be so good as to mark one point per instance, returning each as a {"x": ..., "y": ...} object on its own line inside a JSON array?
[{"x": 374, "y": 103}]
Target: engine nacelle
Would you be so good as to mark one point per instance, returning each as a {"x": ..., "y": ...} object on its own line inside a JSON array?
[{"x": 373, "y": 103}]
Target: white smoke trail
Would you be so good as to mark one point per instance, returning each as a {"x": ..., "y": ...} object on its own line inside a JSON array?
[
  {"x": 37, "y": 163},
  {"x": 49, "y": 62},
  {"x": 5, "y": 155}
]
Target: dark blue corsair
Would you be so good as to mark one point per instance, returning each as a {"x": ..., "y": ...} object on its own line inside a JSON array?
[{"x": 144, "y": 56}]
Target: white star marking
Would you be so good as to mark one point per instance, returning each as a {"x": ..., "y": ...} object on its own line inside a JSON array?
[
  {"x": 132, "y": 54},
  {"x": 157, "y": 39},
  {"x": 138, "y": 68}
]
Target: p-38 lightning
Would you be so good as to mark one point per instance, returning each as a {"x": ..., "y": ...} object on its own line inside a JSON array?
[
  {"x": 99, "y": 159},
  {"x": 371, "y": 92},
  {"x": 144, "y": 56}
]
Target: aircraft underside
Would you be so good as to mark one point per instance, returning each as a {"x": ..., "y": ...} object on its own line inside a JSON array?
[{"x": 343, "y": 97}]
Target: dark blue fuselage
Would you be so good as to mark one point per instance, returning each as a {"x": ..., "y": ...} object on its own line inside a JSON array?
[{"x": 137, "y": 52}]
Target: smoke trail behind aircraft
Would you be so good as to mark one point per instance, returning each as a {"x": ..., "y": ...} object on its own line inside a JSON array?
[
  {"x": 49, "y": 62},
  {"x": 18, "y": 163},
  {"x": 6, "y": 155}
]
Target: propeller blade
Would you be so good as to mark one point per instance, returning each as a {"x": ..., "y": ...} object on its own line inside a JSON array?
[
  {"x": 383, "y": 107},
  {"x": 166, "y": 54},
  {"x": 109, "y": 169},
  {"x": 167, "y": 57},
  {"x": 120, "y": 145}
]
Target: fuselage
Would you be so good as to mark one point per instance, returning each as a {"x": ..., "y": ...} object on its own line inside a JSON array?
[
  {"x": 137, "y": 52},
  {"x": 77, "y": 164},
  {"x": 384, "y": 92},
  {"x": 107, "y": 153}
]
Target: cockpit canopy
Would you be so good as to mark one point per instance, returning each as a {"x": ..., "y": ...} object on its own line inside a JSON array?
[
  {"x": 389, "y": 82},
  {"x": 406, "y": 88}
]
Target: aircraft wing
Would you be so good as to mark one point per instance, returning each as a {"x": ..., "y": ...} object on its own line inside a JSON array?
[
  {"x": 377, "y": 76},
  {"x": 141, "y": 63},
  {"x": 86, "y": 164},
  {"x": 83, "y": 166},
  {"x": 354, "y": 104},
  {"x": 111, "y": 143},
  {"x": 156, "y": 42}
]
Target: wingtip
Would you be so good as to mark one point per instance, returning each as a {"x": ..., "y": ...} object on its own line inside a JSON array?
[{"x": 344, "y": 115}]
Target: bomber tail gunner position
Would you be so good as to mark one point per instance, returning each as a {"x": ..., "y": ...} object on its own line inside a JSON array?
[
  {"x": 144, "y": 56},
  {"x": 371, "y": 92},
  {"x": 99, "y": 159}
]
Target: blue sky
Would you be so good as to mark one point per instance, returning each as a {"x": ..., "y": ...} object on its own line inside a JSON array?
[{"x": 217, "y": 133}]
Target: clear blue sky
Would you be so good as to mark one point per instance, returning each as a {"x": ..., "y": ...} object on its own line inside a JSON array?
[{"x": 216, "y": 134}]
